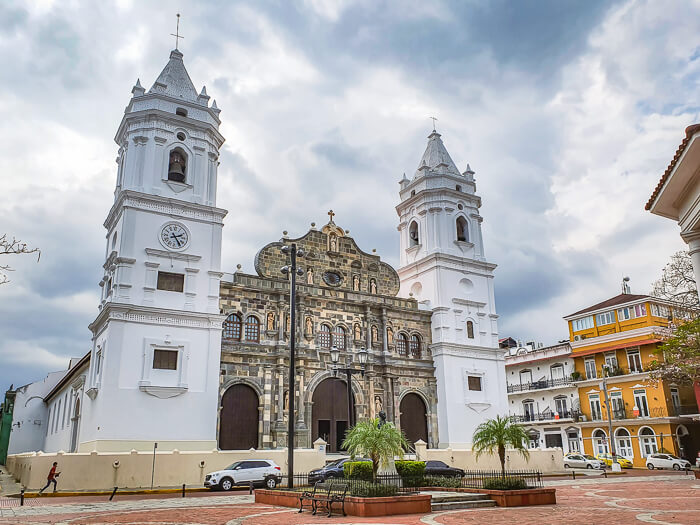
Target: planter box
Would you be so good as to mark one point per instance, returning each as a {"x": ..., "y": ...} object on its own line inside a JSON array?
[
  {"x": 511, "y": 498},
  {"x": 354, "y": 506}
]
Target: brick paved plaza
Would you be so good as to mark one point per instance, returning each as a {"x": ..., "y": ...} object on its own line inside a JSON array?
[{"x": 664, "y": 499}]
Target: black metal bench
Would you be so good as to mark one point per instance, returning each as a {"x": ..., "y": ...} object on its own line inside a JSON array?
[
  {"x": 335, "y": 494},
  {"x": 319, "y": 486},
  {"x": 323, "y": 496}
]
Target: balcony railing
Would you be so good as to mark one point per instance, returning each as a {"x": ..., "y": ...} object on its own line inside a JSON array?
[
  {"x": 627, "y": 413},
  {"x": 547, "y": 415},
  {"x": 539, "y": 385},
  {"x": 615, "y": 372}
]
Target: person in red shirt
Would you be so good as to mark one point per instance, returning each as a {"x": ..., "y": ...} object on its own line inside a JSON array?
[{"x": 51, "y": 478}]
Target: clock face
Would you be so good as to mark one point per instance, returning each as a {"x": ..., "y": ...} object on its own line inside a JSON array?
[{"x": 174, "y": 236}]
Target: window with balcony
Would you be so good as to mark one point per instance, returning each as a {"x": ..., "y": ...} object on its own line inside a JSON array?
[
  {"x": 529, "y": 409},
  {"x": 634, "y": 360},
  {"x": 584, "y": 323},
  {"x": 590, "y": 368},
  {"x": 596, "y": 412},
  {"x": 632, "y": 312},
  {"x": 611, "y": 361},
  {"x": 557, "y": 372},
  {"x": 617, "y": 405},
  {"x": 525, "y": 377},
  {"x": 605, "y": 318},
  {"x": 560, "y": 406},
  {"x": 640, "y": 401}
]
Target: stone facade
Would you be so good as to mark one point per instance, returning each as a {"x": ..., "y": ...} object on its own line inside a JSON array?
[{"x": 345, "y": 297}]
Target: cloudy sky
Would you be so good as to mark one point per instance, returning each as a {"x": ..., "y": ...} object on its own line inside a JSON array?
[{"x": 568, "y": 112}]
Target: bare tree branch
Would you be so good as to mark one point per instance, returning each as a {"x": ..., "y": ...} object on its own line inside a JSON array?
[
  {"x": 677, "y": 282},
  {"x": 13, "y": 247}
]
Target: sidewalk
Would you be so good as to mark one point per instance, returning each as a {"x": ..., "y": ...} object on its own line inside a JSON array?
[{"x": 8, "y": 485}]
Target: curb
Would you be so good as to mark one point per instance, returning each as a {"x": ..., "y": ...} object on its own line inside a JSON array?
[{"x": 109, "y": 493}]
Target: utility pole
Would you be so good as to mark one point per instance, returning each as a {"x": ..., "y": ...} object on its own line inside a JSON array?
[
  {"x": 615, "y": 465},
  {"x": 293, "y": 252}
]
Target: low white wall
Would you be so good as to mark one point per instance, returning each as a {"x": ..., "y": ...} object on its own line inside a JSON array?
[
  {"x": 96, "y": 471},
  {"x": 544, "y": 460}
]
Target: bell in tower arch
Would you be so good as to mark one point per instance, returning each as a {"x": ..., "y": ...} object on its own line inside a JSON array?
[{"x": 177, "y": 166}]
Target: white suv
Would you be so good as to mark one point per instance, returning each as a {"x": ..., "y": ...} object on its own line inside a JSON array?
[
  {"x": 574, "y": 460},
  {"x": 667, "y": 461},
  {"x": 257, "y": 471}
]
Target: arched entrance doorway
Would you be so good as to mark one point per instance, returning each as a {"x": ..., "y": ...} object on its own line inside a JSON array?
[
  {"x": 238, "y": 420},
  {"x": 329, "y": 415},
  {"x": 413, "y": 418}
]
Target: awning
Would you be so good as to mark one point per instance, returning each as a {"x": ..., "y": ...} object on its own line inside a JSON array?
[{"x": 619, "y": 346}]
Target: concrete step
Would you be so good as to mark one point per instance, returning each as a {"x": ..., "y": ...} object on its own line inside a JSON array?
[
  {"x": 458, "y": 496},
  {"x": 454, "y": 505}
]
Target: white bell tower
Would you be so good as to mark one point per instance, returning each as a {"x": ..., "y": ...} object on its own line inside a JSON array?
[
  {"x": 444, "y": 268},
  {"x": 155, "y": 359}
]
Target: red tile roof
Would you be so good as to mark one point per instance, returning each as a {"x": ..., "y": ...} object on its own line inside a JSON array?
[
  {"x": 613, "y": 301},
  {"x": 689, "y": 132}
]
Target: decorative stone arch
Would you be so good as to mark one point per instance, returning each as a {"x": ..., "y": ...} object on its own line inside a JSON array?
[
  {"x": 462, "y": 228},
  {"x": 428, "y": 413},
  {"x": 189, "y": 158},
  {"x": 240, "y": 380},
  {"x": 318, "y": 378}
]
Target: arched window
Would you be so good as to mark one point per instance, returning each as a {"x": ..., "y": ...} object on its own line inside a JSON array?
[
  {"x": 458, "y": 187},
  {"x": 339, "y": 337},
  {"x": 413, "y": 234},
  {"x": 324, "y": 336},
  {"x": 414, "y": 346},
  {"x": 470, "y": 329},
  {"x": 647, "y": 442},
  {"x": 177, "y": 166},
  {"x": 232, "y": 328},
  {"x": 462, "y": 229},
  {"x": 402, "y": 345},
  {"x": 623, "y": 443},
  {"x": 252, "y": 329},
  {"x": 600, "y": 442}
]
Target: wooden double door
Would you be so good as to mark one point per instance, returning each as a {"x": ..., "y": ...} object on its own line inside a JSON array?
[
  {"x": 414, "y": 422},
  {"x": 239, "y": 418},
  {"x": 329, "y": 415}
]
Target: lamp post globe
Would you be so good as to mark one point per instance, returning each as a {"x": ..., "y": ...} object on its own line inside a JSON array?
[
  {"x": 335, "y": 354},
  {"x": 362, "y": 356}
]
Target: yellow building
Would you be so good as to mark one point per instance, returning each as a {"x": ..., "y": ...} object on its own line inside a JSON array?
[{"x": 617, "y": 337}]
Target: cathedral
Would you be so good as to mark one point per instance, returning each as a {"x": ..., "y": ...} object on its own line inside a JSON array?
[{"x": 194, "y": 358}]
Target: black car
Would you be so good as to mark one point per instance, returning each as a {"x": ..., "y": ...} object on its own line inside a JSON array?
[
  {"x": 331, "y": 470},
  {"x": 439, "y": 468}
]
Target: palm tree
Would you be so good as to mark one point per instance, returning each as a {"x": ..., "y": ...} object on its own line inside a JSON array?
[
  {"x": 380, "y": 443},
  {"x": 494, "y": 435}
]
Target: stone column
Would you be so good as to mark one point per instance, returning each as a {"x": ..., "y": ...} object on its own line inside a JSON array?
[
  {"x": 280, "y": 394},
  {"x": 385, "y": 321},
  {"x": 267, "y": 408}
]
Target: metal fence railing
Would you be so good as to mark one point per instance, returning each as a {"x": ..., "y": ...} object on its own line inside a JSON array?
[{"x": 472, "y": 479}]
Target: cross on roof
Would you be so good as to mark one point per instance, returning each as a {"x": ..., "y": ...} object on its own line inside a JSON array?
[
  {"x": 331, "y": 215},
  {"x": 434, "y": 121},
  {"x": 176, "y": 34}
]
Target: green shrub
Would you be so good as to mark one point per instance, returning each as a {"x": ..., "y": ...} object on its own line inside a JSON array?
[
  {"x": 358, "y": 470},
  {"x": 505, "y": 484},
  {"x": 410, "y": 469},
  {"x": 367, "y": 489},
  {"x": 442, "y": 481}
]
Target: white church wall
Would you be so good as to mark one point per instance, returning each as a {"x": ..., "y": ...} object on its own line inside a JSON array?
[
  {"x": 62, "y": 412},
  {"x": 29, "y": 421}
]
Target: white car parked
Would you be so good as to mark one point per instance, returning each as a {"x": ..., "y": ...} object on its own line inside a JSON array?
[
  {"x": 257, "y": 471},
  {"x": 667, "y": 461},
  {"x": 572, "y": 460}
]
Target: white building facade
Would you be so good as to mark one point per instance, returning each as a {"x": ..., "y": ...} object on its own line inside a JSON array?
[
  {"x": 30, "y": 415},
  {"x": 543, "y": 397},
  {"x": 154, "y": 364},
  {"x": 443, "y": 266}
]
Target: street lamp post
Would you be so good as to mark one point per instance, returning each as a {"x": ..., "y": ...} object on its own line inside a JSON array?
[
  {"x": 292, "y": 270},
  {"x": 615, "y": 465},
  {"x": 362, "y": 357}
]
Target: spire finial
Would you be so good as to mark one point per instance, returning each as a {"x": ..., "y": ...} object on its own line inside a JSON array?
[
  {"x": 176, "y": 34},
  {"x": 331, "y": 214},
  {"x": 434, "y": 121}
]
